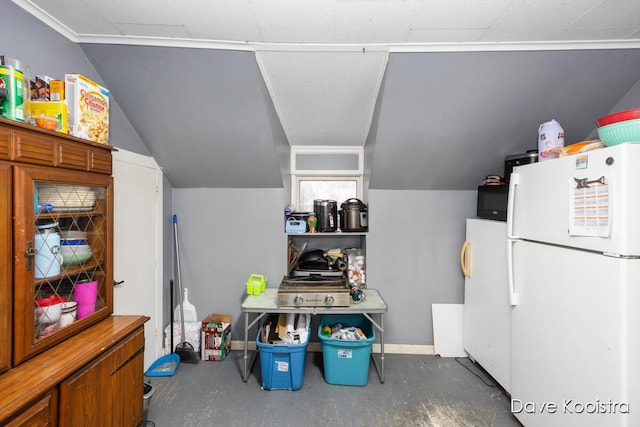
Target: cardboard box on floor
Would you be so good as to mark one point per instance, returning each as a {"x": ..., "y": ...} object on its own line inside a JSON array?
[{"x": 216, "y": 337}]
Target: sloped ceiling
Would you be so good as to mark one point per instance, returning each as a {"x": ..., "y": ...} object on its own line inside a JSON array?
[
  {"x": 465, "y": 84},
  {"x": 324, "y": 98},
  {"x": 203, "y": 114},
  {"x": 446, "y": 120}
]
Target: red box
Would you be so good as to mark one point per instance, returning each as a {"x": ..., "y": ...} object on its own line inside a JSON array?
[{"x": 215, "y": 342}]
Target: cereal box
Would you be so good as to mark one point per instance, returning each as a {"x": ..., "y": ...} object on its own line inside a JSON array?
[{"x": 88, "y": 105}]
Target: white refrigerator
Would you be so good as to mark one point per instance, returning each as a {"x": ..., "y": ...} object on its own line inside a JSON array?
[
  {"x": 573, "y": 248},
  {"x": 487, "y": 313}
]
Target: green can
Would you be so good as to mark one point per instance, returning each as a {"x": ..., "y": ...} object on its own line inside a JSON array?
[{"x": 12, "y": 107}]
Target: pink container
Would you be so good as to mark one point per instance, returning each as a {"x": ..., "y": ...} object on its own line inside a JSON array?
[{"x": 85, "y": 294}]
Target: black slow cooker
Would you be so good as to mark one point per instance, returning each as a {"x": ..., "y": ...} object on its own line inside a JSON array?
[{"x": 353, "y": 216}]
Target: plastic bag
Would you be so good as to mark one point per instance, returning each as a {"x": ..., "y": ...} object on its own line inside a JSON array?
[{"x": 192, "y": 331}]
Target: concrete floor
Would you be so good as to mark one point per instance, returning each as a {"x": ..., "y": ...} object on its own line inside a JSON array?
[{"x": 426, "y": 391}]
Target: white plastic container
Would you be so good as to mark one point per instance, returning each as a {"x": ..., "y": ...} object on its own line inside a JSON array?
[
  {"x": 68, "y": 314},
  {"x": 48, "y": 257},
  {"x": 550, "y": 140}
]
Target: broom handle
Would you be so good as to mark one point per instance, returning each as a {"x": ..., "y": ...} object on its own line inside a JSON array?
[
  {"x": 175, "y": 234},
  {"x": 171, "y": 312}
]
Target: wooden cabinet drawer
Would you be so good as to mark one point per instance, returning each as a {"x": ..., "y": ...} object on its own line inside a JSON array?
[
  {"x": 72, "y": 156},
  {"x": 83, "y": 157},
  {"x": 42, "y": 413},
  {"x": 34, "y": 149},
  {"x": 37, "y": 147},
  {"x": 5, "y": 144},
  {"x": 100, "y": 161}
]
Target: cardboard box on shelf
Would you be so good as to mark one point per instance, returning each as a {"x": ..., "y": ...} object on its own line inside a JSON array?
[
  {"x": 56, "y": 90},
  {"x": 40, "y": 88},
  {"x": 57, "y": 110},
  {"x": 88, "y": 104},
  {"x": 216, "y": 337},
  {"x": 45, "y": 88}
]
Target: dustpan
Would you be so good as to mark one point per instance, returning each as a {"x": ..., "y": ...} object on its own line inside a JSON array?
[
  {"x": 190, "y": 312},
  {"x": 165, "y": 366}
]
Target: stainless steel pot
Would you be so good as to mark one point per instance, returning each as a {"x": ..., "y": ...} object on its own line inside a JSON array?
[{"x": 353, "y": 216}]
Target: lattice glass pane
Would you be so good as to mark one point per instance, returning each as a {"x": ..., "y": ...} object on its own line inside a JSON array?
[{"x": 69, "y": 261}]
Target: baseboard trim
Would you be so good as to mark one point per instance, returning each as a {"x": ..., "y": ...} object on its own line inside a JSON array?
[{"x": 416, "y": 349}]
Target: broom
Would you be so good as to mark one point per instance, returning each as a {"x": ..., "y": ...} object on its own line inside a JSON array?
[{"x": 183, "y": 349}]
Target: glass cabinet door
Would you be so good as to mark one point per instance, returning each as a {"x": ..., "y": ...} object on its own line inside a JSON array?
[{"x": 63, "y": 255}]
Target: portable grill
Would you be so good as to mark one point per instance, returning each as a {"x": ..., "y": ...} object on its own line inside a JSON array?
[{"x": 313, "y": 291}]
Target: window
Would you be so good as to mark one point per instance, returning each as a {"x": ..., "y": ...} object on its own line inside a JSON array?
[
  {"x": 312, "y": 188},
  {"x": 333, "y": 173}
]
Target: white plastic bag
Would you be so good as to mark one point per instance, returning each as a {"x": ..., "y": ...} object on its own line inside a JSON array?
[{"x": 192, "y": 331}]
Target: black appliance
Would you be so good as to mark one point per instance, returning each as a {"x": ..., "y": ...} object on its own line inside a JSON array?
[
  {"x": 353, "y": 216},
  {"x": 514, "y": 160},
  {"x": 327, "y": 214},
  {"x": 492, "y": 202},
  {"x": 492, "y": 199},
  {"x": 315, "y": 262}
]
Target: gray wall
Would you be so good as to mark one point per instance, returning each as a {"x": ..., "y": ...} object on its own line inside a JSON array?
[
  {"x": 48, "y": 53},
  {"x": 412, "y": 250},
  {"x": 225, "y": 235},
  {"x": 471, "y": 109},
  {"x": 629, "y": 101}
]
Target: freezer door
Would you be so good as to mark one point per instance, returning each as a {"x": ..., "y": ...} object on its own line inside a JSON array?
[
  {"x": 575, "y": 338},
  {"x": 587, "y": 201},
  {"x": 487, "y": 312}
]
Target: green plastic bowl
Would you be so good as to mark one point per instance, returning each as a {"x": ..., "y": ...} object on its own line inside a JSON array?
[
  {"x": 75, "y": 259},
  {"x": 621, "y": 132}
]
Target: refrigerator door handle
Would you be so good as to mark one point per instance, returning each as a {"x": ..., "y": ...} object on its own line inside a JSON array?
[
  {"x": 465, "y": 258},
  {"x": 514, "y": 181},
  {"x": 513, "y": 296}
]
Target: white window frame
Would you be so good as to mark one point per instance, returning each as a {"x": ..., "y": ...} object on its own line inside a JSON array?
[
  {"x": 325, "y": 175},
  {"x": 320, "y": 150}
]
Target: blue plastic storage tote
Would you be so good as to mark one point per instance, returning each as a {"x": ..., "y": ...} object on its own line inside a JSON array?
[
  {"x": 282, "y": 365},
  {"x": 347, "y": 362}
]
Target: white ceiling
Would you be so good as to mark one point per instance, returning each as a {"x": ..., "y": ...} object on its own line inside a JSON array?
[
  {"x": 324, "y": 98},
  {"x": 385, "y": 22}
]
